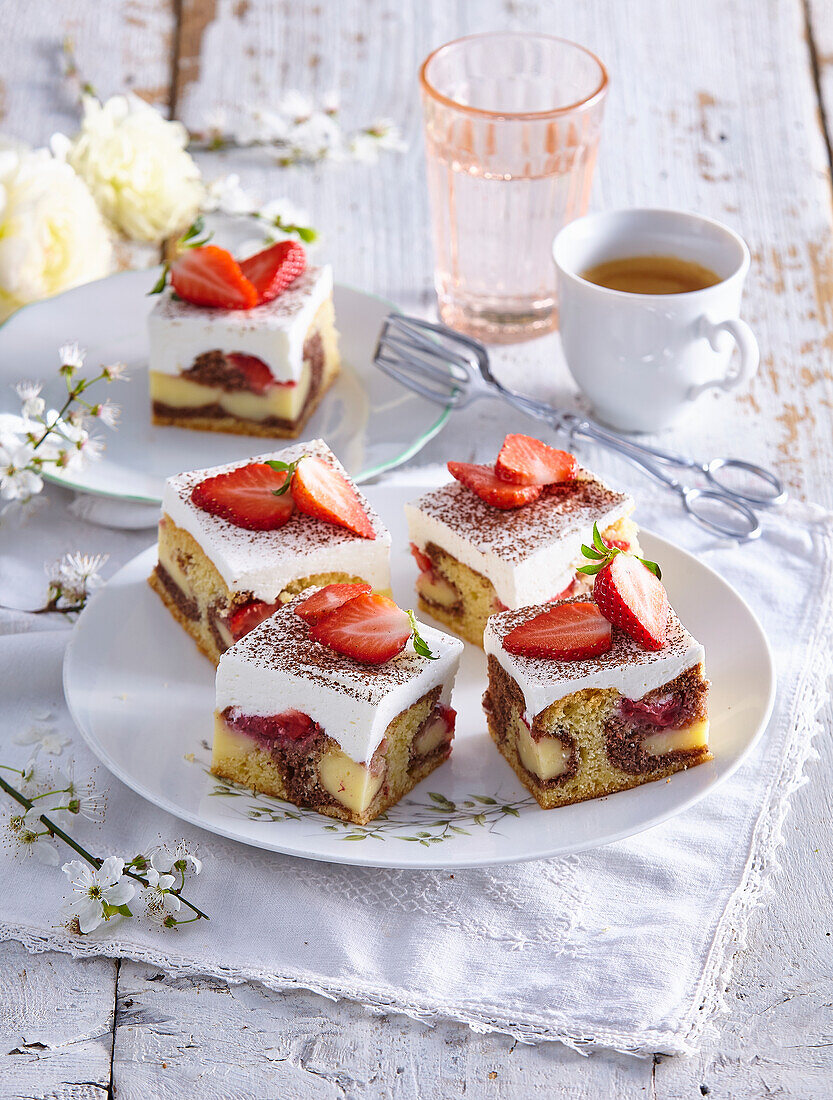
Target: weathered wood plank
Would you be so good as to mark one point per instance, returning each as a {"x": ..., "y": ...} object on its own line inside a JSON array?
[
  {"x": 178, "y": 1037},
  {"x": 119, "y": 46},
  {"x": 56, "y": 1020}
]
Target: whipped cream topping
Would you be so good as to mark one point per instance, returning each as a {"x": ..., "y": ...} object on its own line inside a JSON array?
[
  {"x": 277, "y": 667},
  {"x": 627, "y": 667},
  {"x": 264, "y": 562},
  {"x": 530, "y": 553},
  {"x": 274, "y": 332}
]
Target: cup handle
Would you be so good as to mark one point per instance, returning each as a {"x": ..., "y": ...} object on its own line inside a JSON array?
[{"x": 750, "y": 356}]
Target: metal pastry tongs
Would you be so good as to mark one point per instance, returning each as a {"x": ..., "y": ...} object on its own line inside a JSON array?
[{"x": 453, "y": 370}]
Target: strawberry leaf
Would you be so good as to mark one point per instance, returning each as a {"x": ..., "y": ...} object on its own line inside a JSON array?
[
  {"x": 420, "y": 645},
  {"x": 599, "y": 542},
  {"x": 652, "y": 567},
  {"x": 590, "y": 552},
  {"x": 162, "y": 281},
  {"x": 593, "y": 568},
  {"x": 284, "y": 467}
]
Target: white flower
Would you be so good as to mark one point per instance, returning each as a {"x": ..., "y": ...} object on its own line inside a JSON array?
[
  {"x": 31, "y": 835},
  {"x": 295, "y": 106},
  {"x": 17, "y": 480},
  {"x": 135, "y": 163},
  {"x": 226, "y": 195},
  {"x": 365, "y": 145},
  {"x": 115, "y": 372},
  {"x": 32, "y": 403},
  {"x": 331, "y": 103},
  {"x": 107, "y": 412},
  {"x": 44, "y": 738},
  {"x": 280, "y": 212},
  {"x": 95, "y": 889},
  {"x": 164, "y": 860},
  {"x": 74, "y": 576},
  {"x": 71, "y": 356},
  {"x": 315, "y": 138},
  {"x": 52, "y": 234}
]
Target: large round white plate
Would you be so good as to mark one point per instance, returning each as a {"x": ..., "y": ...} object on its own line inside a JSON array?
[
  {"x": 369, "y": 420},
  {"x": 143, "y": 698}
]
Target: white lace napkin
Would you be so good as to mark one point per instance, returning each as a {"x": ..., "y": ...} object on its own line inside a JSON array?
[{"x": 628, "y": 946}]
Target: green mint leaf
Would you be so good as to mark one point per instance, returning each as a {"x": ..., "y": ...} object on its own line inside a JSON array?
[
  {"x": 288, "y": 468},
  {"x": 652, "y": 567},
  {"x": 591, "y": 570},
  {"x": 307, "y": 233},
  {"x": 420, "y": 645},
  {"x": 162, "y": 281},
  {"x": 193, "y": 230}
]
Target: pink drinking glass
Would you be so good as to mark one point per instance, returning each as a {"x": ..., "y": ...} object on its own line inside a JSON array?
[{"x": 512, "y": 126}]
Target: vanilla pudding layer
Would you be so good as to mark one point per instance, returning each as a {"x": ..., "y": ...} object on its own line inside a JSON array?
[
  {"x": 209, "y": 394},
  {"x": 312, "y": 769},
  {"x": 263, "y": 564}
]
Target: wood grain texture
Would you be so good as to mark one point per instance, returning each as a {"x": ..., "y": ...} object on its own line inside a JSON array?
[{"x": 713, "y": 107}]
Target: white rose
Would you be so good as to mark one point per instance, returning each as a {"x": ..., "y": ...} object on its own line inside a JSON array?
[
  {"x": 52, "y": 235},
  {"x": 134, "y": 162}
]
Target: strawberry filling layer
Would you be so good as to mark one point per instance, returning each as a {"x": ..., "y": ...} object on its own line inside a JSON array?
[
  {"x": 234, "y": 371},
  {"x": 290, "y": 728}
]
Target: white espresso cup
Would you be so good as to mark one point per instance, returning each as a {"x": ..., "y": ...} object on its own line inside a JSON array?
[{"x": 642, "y": 359}]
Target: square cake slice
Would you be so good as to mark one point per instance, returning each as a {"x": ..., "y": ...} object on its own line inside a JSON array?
[
  {"x": 221, "y": 572},
  {"x": 324, "y": 712},
  {"x": 581, "y": 728},
  {"x": 259, "y": 371},
  {"x": 475, "y": 558}
]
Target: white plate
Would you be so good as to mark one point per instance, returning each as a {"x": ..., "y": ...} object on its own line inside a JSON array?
[
  {"x": 370, "y": 421},
  {"x": 143, "y": 698}
]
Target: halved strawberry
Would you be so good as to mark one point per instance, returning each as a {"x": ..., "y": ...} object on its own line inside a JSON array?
[
  {"x": 210, "y": 276},
  {"x": 272, "y": 270},
  {"x": 249, "y": 616},
  {"x": 321, "y": 491},
  {"x": 369, "y": 628},
  {"x": 526, "y": 461},
  {"x": 483, "y": 481},
  {"x": 327, "y": 599},
  {"x": 566, "y": 632},
  {"x": 246, "y": 497},
  {"x": 634, "y": 599}
]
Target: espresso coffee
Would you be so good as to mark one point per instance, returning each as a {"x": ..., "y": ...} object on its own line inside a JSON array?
[{"x": 652, "y": 275}]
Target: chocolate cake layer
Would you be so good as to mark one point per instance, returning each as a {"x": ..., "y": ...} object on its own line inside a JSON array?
[{"x": 184, "y": 604}]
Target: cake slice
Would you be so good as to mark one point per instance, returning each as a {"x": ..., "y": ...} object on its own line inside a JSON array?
[
  {"x": 581, "y": 706},
  {"x": 259, "y": 370},
  {"x": 231, "y": 551},
  {"x": 334, "y": 702},
  {"x": 484, "y": 544}
]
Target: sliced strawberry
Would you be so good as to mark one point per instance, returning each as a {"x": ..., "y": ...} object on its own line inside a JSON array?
[
  {"x": 327, "y": 599},
  {"x": 210, "y": 276},
  {"x": 370, "y": 629},
  {"x": 272, "y": 270},
  {"x": 634, "y": 599},
  {"x": 321, "y": 491},
  {"x": 246, "y": 497},
  {"x": 291, "y": 725},
  {"x": 527, "y": 461},
  {"x": 483, "y": 481},
  {"x": 424, "y": 563},
  {"x": 249, "y": 616},
  {"x": 566, "y": 632}
]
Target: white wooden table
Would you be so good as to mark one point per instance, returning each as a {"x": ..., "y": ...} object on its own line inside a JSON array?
[{"x": 718, "y": 106}]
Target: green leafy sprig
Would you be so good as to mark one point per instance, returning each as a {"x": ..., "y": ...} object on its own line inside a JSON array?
[
  {"x": 420, "y": 645},
  {"x": 287, "y": 468},
  {"x": 191, "y": 238},
  {"x": 601, "y": 555}
]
